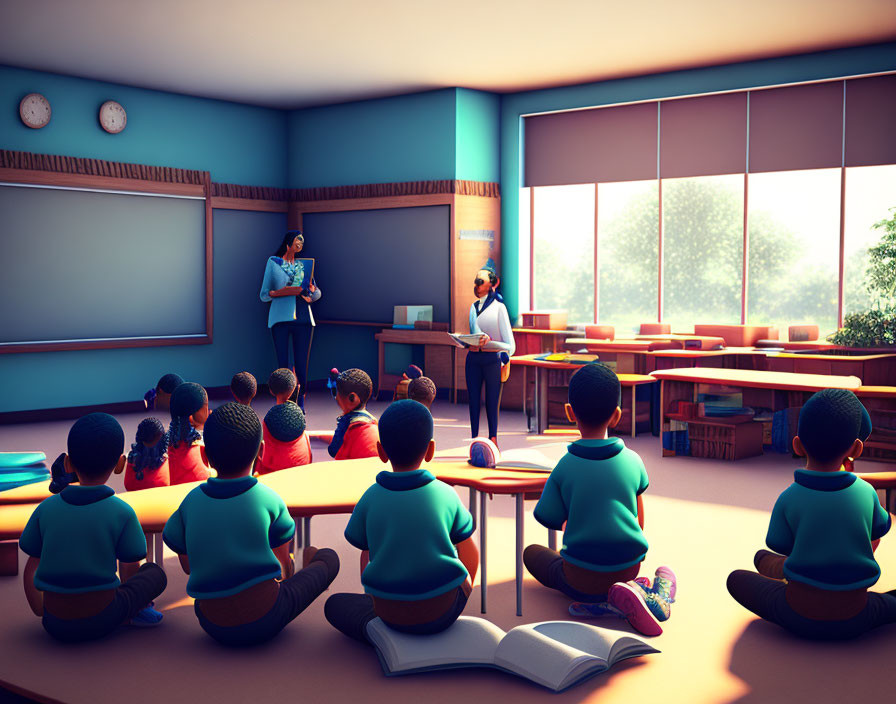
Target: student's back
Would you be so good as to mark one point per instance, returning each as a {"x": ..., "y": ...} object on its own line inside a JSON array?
[
  {"x": 189, "y": 410},
  {"x": 356, "y": 432},
  {"x": 285, "y": 442},
  {"x": 147, "y": 465}
]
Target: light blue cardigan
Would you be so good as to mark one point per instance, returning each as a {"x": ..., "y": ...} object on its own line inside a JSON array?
[{"x": 284, "y": 308}]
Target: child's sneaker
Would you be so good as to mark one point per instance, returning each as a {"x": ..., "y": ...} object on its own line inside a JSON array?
[
  {"x": 583, "y": 609},
  {"x": 630, "y": 599},
  {"x": 643, "y": 581},
  {"x": 665, "y": 584},
  {"x": 146, "y": 618}
]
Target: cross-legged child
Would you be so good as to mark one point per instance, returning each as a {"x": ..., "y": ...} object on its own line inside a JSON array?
[
  {"x": 232, "y": 536},
  {"x": 285, "y": 442},
  {"x": 74, "y": 538},
  {"x": 356, "y": 433},
  {"x": 595, "y": 492},
  {"x": 417, "y": 532},
  {"x": 189, "y": 409},
  {"x": 147, "y": 464},
  {"x": 815, "y": 583}
]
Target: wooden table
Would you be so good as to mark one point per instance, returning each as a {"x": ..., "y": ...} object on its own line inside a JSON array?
[
  {"x": 433, "y": 341},
  {"x": 681, "y": 384},
  {"x": 310, "y": 491},
  {"x": 541, "y": 367}
]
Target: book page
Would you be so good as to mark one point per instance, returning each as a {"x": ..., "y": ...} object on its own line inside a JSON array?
[
  {"x": 542, "y": 658},
  {"x": 541, "y": 457},
  {"x": 469, "y": 641},
  {"x": 468, "y": 340}
]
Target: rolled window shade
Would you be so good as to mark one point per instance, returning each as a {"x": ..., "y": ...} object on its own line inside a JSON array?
[
  {"x": 871, "y": 121},
  {"x": 704, "y": 136},
  {"x": 590, "y": 146},
  {"x": 797, "y": 127}
]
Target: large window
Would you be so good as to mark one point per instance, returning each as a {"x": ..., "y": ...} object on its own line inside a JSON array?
[
  {"x": 628, "y": 246},
  {"x": 564, "y": 250},
  {"x": 794, "y": 248},
  {"x": 870, "y": 193},
  {"x": 703, "y": 244}
]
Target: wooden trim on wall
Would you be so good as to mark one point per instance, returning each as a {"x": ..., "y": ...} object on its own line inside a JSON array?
[
  {"x": 108, "y": 183},
  {"x": 398, "y": 189},
  {"x": 103, "y": 344},
  {"x": 52, "y": 163},
  {"x": 265, "y": 206},
  {"x": 209, "y": 260}
]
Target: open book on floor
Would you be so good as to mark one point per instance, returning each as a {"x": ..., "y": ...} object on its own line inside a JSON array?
[{"x": 554, "y": 654}]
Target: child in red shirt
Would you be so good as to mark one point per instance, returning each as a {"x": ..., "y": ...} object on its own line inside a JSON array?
[
  {"x": 243, "y": 386},
  {"x": 148, "y": 459},
  {"x": 285, "y": 443},
  {"x": 356, "y": 433},
  {"x": 189, "y": 411}
]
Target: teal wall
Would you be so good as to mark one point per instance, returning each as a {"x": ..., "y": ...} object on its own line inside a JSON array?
[
  {"x": 406, "y": 138},
  {"x": 236, "y": 143},
  {"x": 478, "y": 136},
  {"x": 792, "y": 69}
]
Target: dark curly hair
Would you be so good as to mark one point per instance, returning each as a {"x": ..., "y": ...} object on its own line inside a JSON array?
[
  {"x": 145, "y": 458},
  {"x": 232, "y": 438},
  {"x": 244, "y": 386},
  {"x": 422, "y": 389},
  {"x": 355, "y": 381},
  {"x": 282, "y": 382}
]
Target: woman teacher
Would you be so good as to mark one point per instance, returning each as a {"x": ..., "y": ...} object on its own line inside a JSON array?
[
  {"x": 290, "y": 312},
  {"x": 488, "y": 315}
]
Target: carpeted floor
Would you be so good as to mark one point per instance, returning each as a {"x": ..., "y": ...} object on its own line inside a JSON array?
[{"x": 704, "y": 518}]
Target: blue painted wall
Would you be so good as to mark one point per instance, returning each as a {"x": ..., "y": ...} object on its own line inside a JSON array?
[
  {"x": 792, "y": 69},
  {"x": 478, "y": 136},
  {"x": 236, "y": 143},
  {"x": 406, "y": 138}
]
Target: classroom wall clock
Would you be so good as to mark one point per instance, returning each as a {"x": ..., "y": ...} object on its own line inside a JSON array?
[
  {"x": 34, "y": 109},
  {"x": 113, "y": 118}
]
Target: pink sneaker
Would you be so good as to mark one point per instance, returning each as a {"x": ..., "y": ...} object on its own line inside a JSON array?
[
  {"x": 629, "y": 600},
  {"x": 643, "y": 581}
]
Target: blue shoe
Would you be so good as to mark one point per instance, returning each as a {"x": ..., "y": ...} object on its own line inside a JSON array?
[
  {"x": 146, "y": 618},
  {"x": 582, "y": 609},
  {"x": 665, "y": 584}
]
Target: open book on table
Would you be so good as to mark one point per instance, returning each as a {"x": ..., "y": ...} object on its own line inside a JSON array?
[
  {"x": 473, "y": 340},
  {"x": 554, "y": 654}
]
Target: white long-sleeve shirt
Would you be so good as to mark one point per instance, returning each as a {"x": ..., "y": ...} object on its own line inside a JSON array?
[{"x": 494, "y": 322}]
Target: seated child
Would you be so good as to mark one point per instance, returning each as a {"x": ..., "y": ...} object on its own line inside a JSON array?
[
  {"x": 595, "y": 490},
  {"x": 159, "y": 398},
  {"x": 422, "y": 390},
  {"x": 189, "y": 410},
  {"x": 232, "y": 536},
  {"x": 73, "y": 540},
  {"x": 148, "y": 459},
  {"x": 417, "y": 532},
  {"x": 285, "y": 442},
  {"x": 401, "y": 391},
  {"x": 282, "y": 384},
  {"x": 356, "y": 434},
  {"x": 821, "y": 530},
  {"x": 243, "y": 387}
]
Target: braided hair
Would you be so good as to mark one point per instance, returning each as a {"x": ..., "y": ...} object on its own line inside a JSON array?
[
  {"x": 144, "y": 458},
  {"x": 185, "y": 401}
]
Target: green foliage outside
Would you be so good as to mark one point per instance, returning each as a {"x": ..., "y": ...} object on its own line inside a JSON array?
[
  {"x": 703, "y": 258},
  {"x": 876, "y": 325}
]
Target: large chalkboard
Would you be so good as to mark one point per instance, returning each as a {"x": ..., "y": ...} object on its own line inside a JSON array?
[
  {"x": 367, "y": 261},
  {"x": 82, "y": 265}
]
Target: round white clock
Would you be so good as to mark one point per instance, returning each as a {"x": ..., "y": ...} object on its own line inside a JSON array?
[
  {"x": 113, "y": 118},
  {"x": 35, "y": 110}
]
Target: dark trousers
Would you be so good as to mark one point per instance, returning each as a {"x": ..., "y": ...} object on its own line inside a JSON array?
[
  {"x": 484, "y": 367},
  {"x": 350, "y": 614},
  {"x": 132, "y": 596},
  {"x": 301, "y": 349},
  {"x": 765, "y": 597},
  {"x": 295, "y": 595},
  {"x": 546, "y": 566}
]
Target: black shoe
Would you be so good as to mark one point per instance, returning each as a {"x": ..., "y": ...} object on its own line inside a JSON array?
[{"x": 59, "y": 478}]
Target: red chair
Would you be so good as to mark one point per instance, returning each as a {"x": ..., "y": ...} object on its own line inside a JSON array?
[
  {"x": 655, "y": 329},
  {"x": 600, "y": 332}
]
